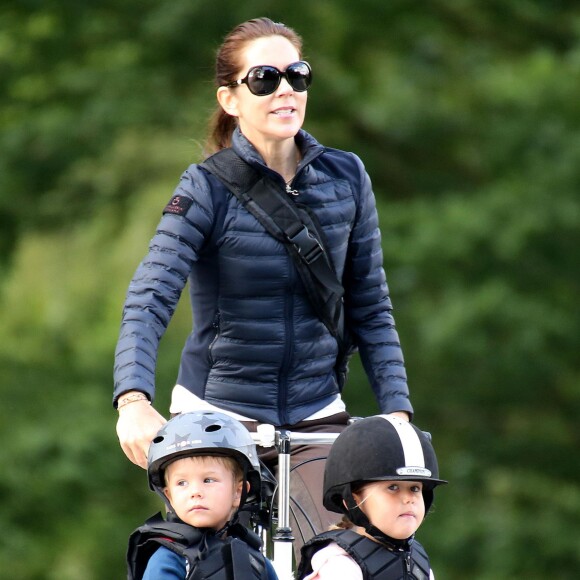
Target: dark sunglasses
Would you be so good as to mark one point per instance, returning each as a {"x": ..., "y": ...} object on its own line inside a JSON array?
[{"x": 264, "y": 79}]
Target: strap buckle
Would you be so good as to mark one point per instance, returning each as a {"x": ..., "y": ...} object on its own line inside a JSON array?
[{"x": 307, "y": 245}]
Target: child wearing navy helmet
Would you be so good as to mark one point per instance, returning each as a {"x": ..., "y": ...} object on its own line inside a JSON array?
[{"x": 380, "y": 475}]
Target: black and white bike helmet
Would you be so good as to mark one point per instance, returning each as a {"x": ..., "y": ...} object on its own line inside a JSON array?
[
  {"x": 204, "y": 433},
  {"x": 378, "y": 448}
]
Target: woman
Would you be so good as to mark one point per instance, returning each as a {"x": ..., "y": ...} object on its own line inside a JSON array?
[{"x": 258, "y": 350}]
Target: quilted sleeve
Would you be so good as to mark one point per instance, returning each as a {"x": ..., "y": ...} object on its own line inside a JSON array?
[
  {"x": 369, "y": 309},
  {"x": 157, "y": 284}
]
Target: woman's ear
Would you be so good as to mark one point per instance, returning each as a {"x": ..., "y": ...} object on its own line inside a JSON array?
[{"x": 228, "y": 101}]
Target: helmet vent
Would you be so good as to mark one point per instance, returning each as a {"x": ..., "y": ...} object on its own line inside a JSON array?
[
  {"x": 158, "y": 439},
  {"x": 212, "y": 428}
]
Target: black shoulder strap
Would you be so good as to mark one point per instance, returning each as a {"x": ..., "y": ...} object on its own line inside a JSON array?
[
  {"x": 289, "y": 224},
  {"x": 247, "y": 536}
]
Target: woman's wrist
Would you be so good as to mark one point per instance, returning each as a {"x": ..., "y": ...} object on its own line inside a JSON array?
[{"x": 131, "y": 397}]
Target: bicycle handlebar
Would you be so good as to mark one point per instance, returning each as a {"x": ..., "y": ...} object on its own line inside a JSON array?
[{"x": 269, "y": 436}]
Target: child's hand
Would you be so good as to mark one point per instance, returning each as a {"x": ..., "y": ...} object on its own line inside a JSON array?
[{"x": 137, "y": 425}]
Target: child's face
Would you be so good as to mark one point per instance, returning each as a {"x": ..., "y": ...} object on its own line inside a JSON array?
[
  {"x": 202, "y": 491},
  {"x": 394, "y": 507}
]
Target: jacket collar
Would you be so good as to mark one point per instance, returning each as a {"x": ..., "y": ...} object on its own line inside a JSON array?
[{"x": 309, "y": 147}]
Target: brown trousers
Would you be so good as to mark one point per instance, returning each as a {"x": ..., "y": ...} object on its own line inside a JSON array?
[{"x": 308, "y": 516}]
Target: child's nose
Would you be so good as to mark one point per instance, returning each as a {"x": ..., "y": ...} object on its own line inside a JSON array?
[{"x": 195, "y": 491}]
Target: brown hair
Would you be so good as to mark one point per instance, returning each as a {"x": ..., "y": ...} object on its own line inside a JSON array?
[
  {"x": 343, "y": 524},
  {"x": 228, "y": 462},
  {"x": 227, "y": 67}
]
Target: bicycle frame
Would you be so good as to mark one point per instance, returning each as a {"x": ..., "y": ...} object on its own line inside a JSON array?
[{"x": 282, "y": 440}]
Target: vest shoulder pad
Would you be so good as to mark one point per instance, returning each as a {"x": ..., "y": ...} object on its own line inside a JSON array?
[
  {"x": 176, "y": 536},
  {"x": 374, "y": 559}
]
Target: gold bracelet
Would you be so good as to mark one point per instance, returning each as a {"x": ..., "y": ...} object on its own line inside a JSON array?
[{"x": 124, "y": 401}]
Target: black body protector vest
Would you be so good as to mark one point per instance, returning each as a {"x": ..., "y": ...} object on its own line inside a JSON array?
[
  {"x": 376, "y": 561},
  {"x": 236, "y": 557}
]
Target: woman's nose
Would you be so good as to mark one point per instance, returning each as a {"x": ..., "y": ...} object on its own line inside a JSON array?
[{"x": 284, "y": 87}]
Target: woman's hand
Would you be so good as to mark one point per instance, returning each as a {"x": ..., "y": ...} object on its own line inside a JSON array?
[{"x": 137, "y": 426}]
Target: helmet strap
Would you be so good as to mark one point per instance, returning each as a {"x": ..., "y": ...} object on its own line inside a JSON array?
[
  {"x": 244, "y": 495},
  {"x": 226, "y": 527},
  {"x": 167, "y": 503},
  {"x": 392, "y": 544}
]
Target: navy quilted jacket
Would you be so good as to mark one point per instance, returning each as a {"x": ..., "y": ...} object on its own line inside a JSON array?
[{"x": 257, "y": 347}]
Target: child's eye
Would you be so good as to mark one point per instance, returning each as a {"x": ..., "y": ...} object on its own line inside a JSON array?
[
  {"x": 181, "y": 483},
  {"x": 416, "y": 489},
  {"x": 393, "y": 487},
  {"x": 210, "y": 480}
]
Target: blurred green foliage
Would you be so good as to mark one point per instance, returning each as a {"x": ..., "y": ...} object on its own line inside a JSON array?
[{"x": 466, "y": 115}]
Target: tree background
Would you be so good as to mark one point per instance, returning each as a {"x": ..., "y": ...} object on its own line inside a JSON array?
[{"x": 466, "y": 115}]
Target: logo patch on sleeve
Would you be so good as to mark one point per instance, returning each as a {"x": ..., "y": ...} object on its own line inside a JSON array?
[{"x": 178, "y": 205}]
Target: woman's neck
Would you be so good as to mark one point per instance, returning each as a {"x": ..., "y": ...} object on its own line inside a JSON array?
[{"x": 282, "y": 156}]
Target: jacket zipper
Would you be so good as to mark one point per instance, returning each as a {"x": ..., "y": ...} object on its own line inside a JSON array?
[
  {"x": 407, "y": 559},
  {"x": 288, "y": 349},
  {"x": 215, "y": 324}
]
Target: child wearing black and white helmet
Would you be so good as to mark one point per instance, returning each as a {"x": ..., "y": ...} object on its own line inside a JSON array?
[
  {"x": 205, "y": 467},
  {"x": 380, "y": 474}
]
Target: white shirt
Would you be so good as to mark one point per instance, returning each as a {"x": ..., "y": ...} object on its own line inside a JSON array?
[
  {"x": 333, "y": 563},
  {"x": 184, "y": 401}
]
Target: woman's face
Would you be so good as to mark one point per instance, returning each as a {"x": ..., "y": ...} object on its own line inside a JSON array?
[{"x": 272, "y": 118}]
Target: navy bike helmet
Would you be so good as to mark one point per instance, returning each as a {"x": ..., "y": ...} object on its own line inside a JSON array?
[
  {"x": 204, "y": 433},
  {"x": 378, "y": 448}
]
